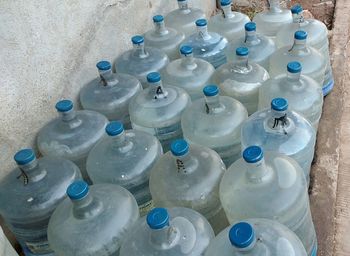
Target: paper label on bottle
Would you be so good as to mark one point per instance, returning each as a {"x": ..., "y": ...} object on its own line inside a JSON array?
[
  {"x": 41, "y": 247},
  {"x": 146, "y": 207}
]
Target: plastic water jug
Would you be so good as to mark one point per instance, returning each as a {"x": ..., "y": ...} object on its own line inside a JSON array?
[
  {"x": 6, "y": 248},
  {"x": 207, "y": 45},
  {"x": 254, "y": 237},
  {"x": 141, "y": 60},
  {"x": 190, "y": 73},
  {"x": 303, "y": 93},
  {"x": 72, "y": 135},
  {"x": 189, "y": 176},
  {"x": 168, "y": 232},
  {"x": 241, "y": 80},
  {"x": 157, "y": 110},
  {"x": 163, "y": 38},
  {"x": 230, "y": 24},
  {"x": 30, "y": 193},
  {"x": 183, "y": 19},
  {"x": 92, "y": 221},
  {"x": 110, "y": 93},
  {"x": 260, "y": 47},
  {"x": 215, "y": 122},
  {"x": 269, "y": 185},
  {"x": 125, "y": 158},
  {"x": 317, "y": 38}
]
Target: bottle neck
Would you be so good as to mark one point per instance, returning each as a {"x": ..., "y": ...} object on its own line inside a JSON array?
[
  {"x": 298, "y": 45},
  {"x": 122, "y": 143},
  {"x": 257, "y": 172},
  {"x": 275, "y": 6},
  {"x": 160, "y": 29},
  {"x": 293, "y": 77},
  {"x": 31, "y": 172},
  {"x": 140, "y": 51},
  {"x": 227, "y": 12},
  {"x": 186, "y": 164},
  {"x": 251, "y": 38},
  {"x": 188, "y": 62},
  {"x": 298, "y": 18},
  {"x": 86, "y": 207},
  {"x": 183, "y": 5},
  {"x": 203, "y": 32},
  {"x": 107, "y": 78},
  {"x": 156, "y": 91},
  {"x": 165, "y": 237},
  {"x": 242, "y": 61},
  {"x": 279, "y": 122},
  {"x": 213, "y": 105}
]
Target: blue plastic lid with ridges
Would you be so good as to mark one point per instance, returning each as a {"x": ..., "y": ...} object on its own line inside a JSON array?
[
  {"x": 103, "y": 65},
  {"x": 241, "y": 235},
  {"x": 158, "y": 218},
  {"x": 201, "y": 22},
  {"x": 253, "y": 154},
  {"x": 225, "y": 2},
  {"x": 250, "y": 26},
  {"x": 294, "y": 67},
  {"x": 300, "y": 35},
  {"x": 186, "y": 50},
  {"x": 211, "y": 90},
  {"x": 137, "y": 39},
  {"x": 179, "y": 147},
  {"x": 153, "y": 77},
  {"x": 279, "y": 104},
  {"x": 77, "y": 190},
  {"x": 242, "y": 51},
  {"x": 296, "y": 9},
  {"x": 64, "y": 105},
  {"x": 114, "y": 128},
  {"x": 158, "y": 18},
  {"x": 24, "y": 156}
]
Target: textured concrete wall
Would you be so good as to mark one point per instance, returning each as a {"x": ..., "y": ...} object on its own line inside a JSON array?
[{"x": 49, "y": 49}]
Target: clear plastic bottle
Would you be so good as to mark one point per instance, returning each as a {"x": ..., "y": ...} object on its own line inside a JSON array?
[
  {"x": 260, "y": 47},
  {"x": 30, "y": 193},
  {"x": 270, "y": 186},
  {"x": 281, "y": 130},
  {"x": 255, "y": 237},
  {"x": 303, "y": 93},
  {"x": 141, "y": 60},
  {"x": 6, "y": 248},
  {"x": 173, "y": 232},
  {"x": 110, "y": 93},
  {"x": 125, "y": 158},
  {"x": 230, "y": 24},
  {"x": 215, "y": 122},
  {"x": 92, "y": 221},
  {"x": 207, "y": 45},
  {"x": 72, "y": 135},
  {"x": 189, "y": 176},
  {"x": 157, "y": 110},
  {"x": 317, "y": 38},
  {"x": 241, "y": 80},
  {"x": 183, "y": 19},
  {"x": 314, "y": 64}
]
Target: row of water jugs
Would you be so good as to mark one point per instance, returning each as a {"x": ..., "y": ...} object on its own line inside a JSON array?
[{"x": 259, "y": 120}]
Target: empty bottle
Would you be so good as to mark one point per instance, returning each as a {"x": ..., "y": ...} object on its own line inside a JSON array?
[
  {"x": 72, "y": 135},
  {"x": 141, "y": 60},
  {"x": 281, "y": 130},
  {"x": 30, "y": 193},
  {"x": 303, "y": 93},
  {"x": 125, "y": 158},
  {"x": 6, "y": 248},
  {"x": 314, "y": 64},
  {"x": 92, "y": 221},
  {"x": 317, "y": 38},
  {"x": 189, "y": 73},
  {"x": 157, "y": 110},
  {"x": 230, "y": 24},
  {"x": 260, "y": 47},
  {"x": 189, "y": 176},
  {"x": 207, "y": 45},
  {"x": 256, "y": 237},
  {"x": 110, "y": 94},
  {"x": 241, "y": 80},
  {"x": 183, "y": 19},
  {"x": 271, "y": 186},
  {"x": 215, "y": 122},
  {"x": 173, "y": 232}
]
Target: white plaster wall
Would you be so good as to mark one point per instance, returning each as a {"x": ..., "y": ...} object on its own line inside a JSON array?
[{"x": 49, "y": 49}]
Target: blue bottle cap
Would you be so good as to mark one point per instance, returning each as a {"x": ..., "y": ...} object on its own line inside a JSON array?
[
  {"x": 300, "y": 35},
  {"x": 114, "y": 128},
  {"x": 241, "y": 235},
  {"x": 103, "y": 65},
  {"x": 211, "y": 90},
  {"x": 158, "y": 218},
  {"x": 253, "y": 154},
  {"x": 242, "y": 51},
  {"x": 186, "y": 50},
  {"x": 279, "y": 104},
  {"x": 64, "y": 105},
  {"x": 179, "y": 147},
  {"x": 296, "y": 9},
  {"x": 294, "y": 67},
  {"x": 153, "y": 77},
  {"x": 250, "y": 26},
  {"x": 225, "y": 2},
  {"x": 201, "y": 22},
  {"x": 24, "y": 156},
  {"x": 158, "y": 18},
  {"x": 137, "y": 39},
  {"x": 77, "y": 190}
]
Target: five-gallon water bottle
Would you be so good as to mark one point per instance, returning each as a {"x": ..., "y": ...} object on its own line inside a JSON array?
[
  {"x": 230, "y": 24},
  {"x": 110, "y": 94},
  {"x": 72, "y": 135},
  {"x": 270, "y": 22},
  {"x": 164, "y": 38},
  {"x": 189, "y": 73},
  {"x": 189, "y": 176},
  {"x": 30, "y": 193},
  {"x": 183, "y": 19},
  {"x": 303, "y": 93},
  {"x": 260, "y": 47},
  {"x": 281, "y": 130},
  {"x": 255, "y": 237},
  {"x": 157, "y": 110},
  {"x": 314, "y": 64},
  {"x": 6, "y": 248},
  {"x": 215, "y": 122},
  {"x": 241, "y": 80},
  {"x": 125, "y": 158},
  {"x": 92, "y": 221},
  {"x": 271, "y": 186},
  {"x": 207, "y": 45},
  {"x": 317, "y": 38},
  {"x": 168, "y": 232},
  {"x": 141, "y": 60}
]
